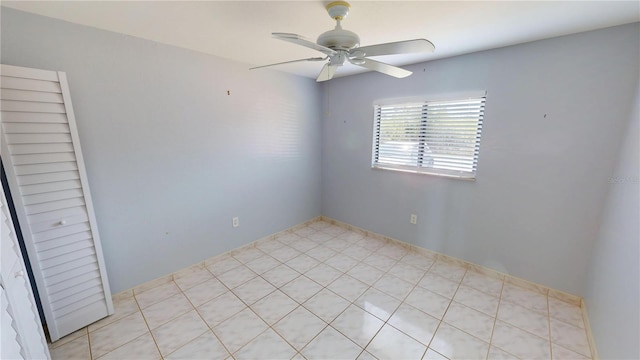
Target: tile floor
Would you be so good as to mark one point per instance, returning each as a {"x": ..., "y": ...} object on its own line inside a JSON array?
[{"x": 323, "y": 292}]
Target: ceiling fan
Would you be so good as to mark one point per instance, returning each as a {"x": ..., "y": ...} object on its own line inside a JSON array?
[{"x": 340, "y": 45}]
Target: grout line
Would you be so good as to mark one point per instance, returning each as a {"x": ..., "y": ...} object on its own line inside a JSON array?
[
  {"x": 148, "y": 327},
  {"x": 549, "y": 324},
  {"x": 495, "y": 320},
  {"x": 435, "y": 332},
  {"x": 89, "y": 342},
  {"x": 202, "y": 318}
]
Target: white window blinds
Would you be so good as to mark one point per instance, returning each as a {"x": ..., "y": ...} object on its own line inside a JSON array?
[{"x": 433, "y": 137}]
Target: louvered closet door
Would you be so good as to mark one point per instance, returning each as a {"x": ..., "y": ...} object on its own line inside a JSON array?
[
  {"x": 22, "y": 334},
  {"x": 42, "y": 157}
]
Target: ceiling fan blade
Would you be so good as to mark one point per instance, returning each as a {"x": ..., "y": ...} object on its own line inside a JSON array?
[
  {"x": 400, "y": 47},
  {"x": 300, "y": 40},
  {"x": 327, "y": 72},
  {"x": 289, "y": 62},
  {"x": 382, "y": 67}
]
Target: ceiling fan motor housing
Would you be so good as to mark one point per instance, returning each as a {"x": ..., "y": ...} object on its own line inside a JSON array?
[{"x": 339, "y": 39}]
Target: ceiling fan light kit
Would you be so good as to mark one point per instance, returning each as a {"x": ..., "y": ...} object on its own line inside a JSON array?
[{"x": 340, "y": 45}]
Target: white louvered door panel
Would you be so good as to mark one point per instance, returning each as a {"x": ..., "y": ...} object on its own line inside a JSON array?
[
  {"x": 11, "y": 347},
  {"x": 22, "y": 334},
  {"x": 46, "y": 174}
]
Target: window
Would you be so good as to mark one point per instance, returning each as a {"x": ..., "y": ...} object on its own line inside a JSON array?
[{"x": 431, "y": 137}]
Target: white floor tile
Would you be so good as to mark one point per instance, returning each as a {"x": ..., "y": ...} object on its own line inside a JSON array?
[
  {"x": 559, "y": 353},
  {"x": 302, "y": 263},
  {"x": 571, "y": 337},
  {"x": 393, "y": 251},
  {"x": 206, "y": 346},
  {"x": 263, "y": 264},
  {"x": 280, "y": 275},
  {"x": 380, "y": 261},
  {"x": 477, "y": 300},
  {"x": 452, "y": 272},
  {"x": 340, "y": 295},
  {"x": 524, "y": 318},
  {"x": 221, "y": 308},
  {"x": 407, "y": 272},
  {"x": 326, "y": 305},
  {"x": 337, "y": 244},
  {"x": 330, "y": 344},
  {"x": 456, "y": 344},
  {"x": 439, "y": 285},
  {"x": 253, "y": 290},
  {"x": 323, "y": 274},
  {"x": 205, "y": 291},
  {"x": 321, "y": 253},
  {"x": 469, "y": 320},
  {"x": 246, "y": 254},
  {"x": 77, "y": 349},
  {"x": 564, "y": 312},
  {"x": 429, "y": 302},
  {"x": 191, "y": 277},
  {"x": 414, "y": 323},
  {"x": 523, "y": 297},
  {"x": 499, "y": 354},
  {"x": 237, "y": 276},
  {"x": 391, "y": 343},
  {"x": 417, "y": 260},
  {"x": 176, "y": 333},
  {"x": 222, "y": 265},
  {"x": 240, "y": 329},
  {"x": 267, "y": 345},
  {"x": 114, "y": 335},
  {"x": 433, "y": 355},
  {"x": 122, "y": 308},
  {"x": 301, "y": 288},
  {"x": 274, "y": 307},
  {"x": 366, "y": 273},
  {"x": 269, "y": 245},
  {"x": 341, "y": 262},
  {"x": 348, "y": 287},
  {"x": 358, "y": 325},
  {"x": 166, "y": 310},
  {"x": 299, "y": 327},
  {"x": 483, "y": 283},
  {"x": 157, "y": 294},
  {"x": 519, "y": 342},
  {"x": 356, "y": 252},
  {"x": 142, "y": 348},
  {"x": 285, "y": 253},
  {"x": 377, "y": 303},
  {"x": 394, "y": 286},
  {"x": 303, "y": 245}
]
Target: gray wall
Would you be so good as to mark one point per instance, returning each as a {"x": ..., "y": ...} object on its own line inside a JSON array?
[
  {"x": 170, "y": 156},
  {"x": 555, "y": 116},
  {"x": 613, "y": 282}
]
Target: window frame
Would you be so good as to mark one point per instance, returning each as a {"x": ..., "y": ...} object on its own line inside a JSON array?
[{"x": 419, "y": 167}]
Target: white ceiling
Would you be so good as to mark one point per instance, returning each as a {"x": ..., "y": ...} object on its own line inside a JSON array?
[{"x": 241, "y": 30}]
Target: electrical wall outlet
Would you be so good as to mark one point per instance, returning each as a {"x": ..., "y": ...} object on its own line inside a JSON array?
[
  {"x": 413, "y": 219},
  {"x": 235, "y": 221}
]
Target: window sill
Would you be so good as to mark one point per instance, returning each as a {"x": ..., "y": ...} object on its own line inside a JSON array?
[{"x": 434, "y": 172}]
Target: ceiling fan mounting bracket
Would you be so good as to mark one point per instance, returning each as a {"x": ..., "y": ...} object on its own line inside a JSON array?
[{"x": 338, "y": 10}]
